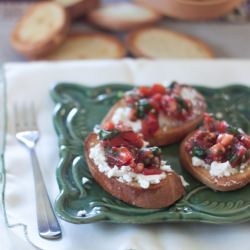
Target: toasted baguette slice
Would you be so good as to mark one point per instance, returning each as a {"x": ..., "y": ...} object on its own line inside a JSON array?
[
  {"x": 159, "y": 195},
  {"x": 88, "y": 46},
  {"x": 42, "y": 28},
  {"x": 170, "y": 131},
  {"x": 165, "y": 135},
  {"x": 77, "y": 8},
  {"x": 123, "y": 16},
  {"x": 152, "y": 42},
  {"x": 225, "y": 183}
]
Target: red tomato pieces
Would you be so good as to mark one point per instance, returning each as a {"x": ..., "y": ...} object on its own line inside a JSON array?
[
  {"x": 157, "y": 99},
  {"x": 219, "y": 141},
  {"x": 109, "y": 126},
  {"x": 245, "y": 139},
  {"x": 119, "y": 156},
  {"x": 225, "y": 139},
  {"x": 150, "y": 125},
  {"x": 158, "y": 89},
  {"x": 123, "y": 147}
]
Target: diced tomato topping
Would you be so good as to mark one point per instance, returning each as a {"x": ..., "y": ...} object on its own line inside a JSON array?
[
  {"x": 125, "y": 155},
  {"x": 219, "y": 141},
  {"x": 155, "y": 101},
  {"x": 109, "y": 126},
  {"x": 217, "y": 150},
  {"x": 241, "y": 151},
  {"x": 225, "y": 139},
  {"x": 221, "y": 126},
  {"x": 150, "y": 124},
  {"x": 139, "y": 167},
  {"x": 127, "y": 138},
  {"x": 169, "y": 104},
  {"x": 119, "y": 156},
  {"x": 145, "y": 91},
  {"x": 133, "y": 138},
  {"x": 208, "y": 118},
  {"x": 147, "y": 171},
  {"x": 209, "y": 123},
  {"x": 245, "y": 139},
  {"x": 158, "y": 89}
]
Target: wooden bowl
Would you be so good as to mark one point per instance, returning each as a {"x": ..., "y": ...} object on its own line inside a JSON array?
[{"x": 192, "y": 9}]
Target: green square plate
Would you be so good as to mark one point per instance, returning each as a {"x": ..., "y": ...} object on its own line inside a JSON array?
[{"x": 79, "y": 108}]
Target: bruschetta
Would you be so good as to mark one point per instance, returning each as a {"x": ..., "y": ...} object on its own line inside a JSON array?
[
  {"x": 124, "y": 166},
  {"x": 217, "y": 154},
  {"x": 163, "y": 115}
]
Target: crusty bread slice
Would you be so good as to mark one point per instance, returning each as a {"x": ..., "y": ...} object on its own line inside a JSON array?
[
  {"x": 153, "y": 42},
  {"x": 159, "y": 195},
  {"x": 88, "y": 46},
  {"x": 225, "y": 183},
  {"x": 42, "y": 28},
  {"x": 77, "y": 8},
  {"x": 123, "y": 16},
  {"x": 171, "y": 131}
]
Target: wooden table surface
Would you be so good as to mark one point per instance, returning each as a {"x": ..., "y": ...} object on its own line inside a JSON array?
[{"x": 229, "y": 40}]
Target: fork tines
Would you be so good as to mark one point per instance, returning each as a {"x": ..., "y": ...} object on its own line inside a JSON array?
[{"x": 25, "y": 116}]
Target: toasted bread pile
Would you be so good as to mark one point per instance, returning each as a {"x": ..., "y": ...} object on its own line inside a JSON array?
[{"x": 43, "y": 33}]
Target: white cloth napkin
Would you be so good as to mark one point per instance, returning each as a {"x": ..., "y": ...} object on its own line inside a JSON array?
[{"x": 32, "y": 82}]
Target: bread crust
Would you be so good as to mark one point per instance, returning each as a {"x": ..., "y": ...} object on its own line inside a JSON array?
[
  {"x": 192, "y": 10},
  {"x": 225, "y": 183},
  {"x": 115, "y": 24},
  {"x": 38, "y": 49},
  {"x": 165, "y": 135},
  {"x": 82, "y": 8},
  {"x": 137, "y": 52},
  {"x": 121, "y": 50},
  {"x": 159, "y": 195}
]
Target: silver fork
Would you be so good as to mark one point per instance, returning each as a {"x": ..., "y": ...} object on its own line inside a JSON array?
[{"x": 27, "y": 133}]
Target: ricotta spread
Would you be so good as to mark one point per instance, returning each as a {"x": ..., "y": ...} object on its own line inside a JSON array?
[
  {"x": 124, "y": 173},
  {"x": 122, "y": 114},
  {"x": 218, "y": 169}
]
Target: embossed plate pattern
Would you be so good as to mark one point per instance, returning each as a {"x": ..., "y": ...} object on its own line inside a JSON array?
[{"x": 79, "y": 108}]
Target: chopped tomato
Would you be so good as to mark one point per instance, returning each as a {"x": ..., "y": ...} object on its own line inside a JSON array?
[
  {"x": 221, "y": 126},
  {"x": 127, "y": 139},
  {"x": 119, "y": 156},
  {"x": 152, "y": 171},
  {"x": 139, "y": 168},
  {"x": 217, "y": 150},
  {"x": 209, "y": 122},
  {"x": 208, "y": 118},
  {"x": 225, "y": 139},
  {"x": 150, "y": 124},
  {"x": 245, "y": 139},
  {"x": 125, "y": 155},
  {"x": 109, "y": 126},
  {"x": 241, "y": 151},
  {"x": 158, "y": 89},
  {"x": 155, "y": 101},
  {"x": 145, "y": 91},
  {"x": 132, "y": 138}
]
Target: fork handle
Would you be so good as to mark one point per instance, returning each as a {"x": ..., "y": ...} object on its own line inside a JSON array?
[{"x": 47, "y": 222}]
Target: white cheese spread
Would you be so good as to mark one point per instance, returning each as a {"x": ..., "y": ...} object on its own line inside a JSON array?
[
  {"x": 217, "y": 169},
  {"x": 124, "y": 173},
  {"x": 122, "y": 115}
]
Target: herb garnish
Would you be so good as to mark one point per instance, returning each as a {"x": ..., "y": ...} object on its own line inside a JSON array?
[
  {"x": 107, "y": 135},
  {"x": 199, "y": 152}
]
